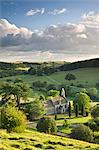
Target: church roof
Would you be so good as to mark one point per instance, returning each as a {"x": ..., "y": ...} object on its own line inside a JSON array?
[{"x": 56, "y": 100}]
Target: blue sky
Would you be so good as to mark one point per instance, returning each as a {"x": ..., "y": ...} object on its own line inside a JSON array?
[
  {"x": 47, "y": 30},
  {"x": 15, "y": 11}
]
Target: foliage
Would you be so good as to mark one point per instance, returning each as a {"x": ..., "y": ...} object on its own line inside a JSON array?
[
  {"x": 15, "y": 91},
  {"x": 69, "y": 110},
  {"x": 70, "y": 76},
  {"x": 83, "y": 90},
  {"x": 92, "y": 93},
  {"x": 32, "y": 71},
  {"x": 82, "y": 110},
  {"x": 94, "y": 124},
  {"x": 39, "y": 84},
  {"x": 55, "y": 116},
  {"x": 82, "y": 99},
  {"x": 82, "y": 132},
  {"x": 46, "y": 125},
  {"x": 12, "y": 119},
  {"x": 34, "y": 109},
  {"x": 51, "y": 87},
  {"x": 76, "y": 110},
  {"x": 42, "y": 97},
  {"x": 53, "y": 93},
  {"x": 97, "y": 85},
  {"x": 80, "y": 64},
  {"x": 66, "y": 123},
  {"x": 95, "y": 111}
]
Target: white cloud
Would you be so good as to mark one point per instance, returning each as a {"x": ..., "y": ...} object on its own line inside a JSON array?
[
  {"x": 56, "y": 42},
  {"x": 42, "y": 10},
  {"x": 84, "y": 36},
  {"x": 8, "y": 28},
  {"x": 35, "y": 11},
  {"x": 57, "y": 11},
  {"x": 91, "y": 16},
  {"x": 91, "y": 19},
  {"x": 79, "y": 28}
]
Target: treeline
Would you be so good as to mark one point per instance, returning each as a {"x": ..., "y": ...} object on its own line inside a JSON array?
[
  {"x": 39, "y": 69},
  {"x": 10, "y": 66},
  {"x": 80, "y": 64},
  {"x": 11, "y": 72},
  {"x": 44, "y": 68}
]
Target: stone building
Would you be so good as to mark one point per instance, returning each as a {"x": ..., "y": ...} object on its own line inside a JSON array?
[{"x": 57, "y": 105}]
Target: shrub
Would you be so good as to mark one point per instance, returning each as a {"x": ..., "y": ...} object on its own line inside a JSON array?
[
  {"x": 55, "y": 116},
  {"x": 70, "y": 76},
  {"x": 93, "y": 125},
  {"x": 66, "y": 124},
  {"x": 82, "y": 132},
  {"x": 53, "y": 93},
  {"x": 46, "y": 125},
  {"x": 12, "y": 119},
  {"x": 34, "y": 110},
  {"x": 95, "y": 111}
]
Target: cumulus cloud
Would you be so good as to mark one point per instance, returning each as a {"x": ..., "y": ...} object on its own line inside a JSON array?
[
  {"x": 8, "y": 28},
  {"x": 84, "y": 36},
  {"x": 56, "y": 42},
  {"x": 57, "y": 11},
  {"x": 35, "y": 11},
  {"x": 91, "y": 19}
]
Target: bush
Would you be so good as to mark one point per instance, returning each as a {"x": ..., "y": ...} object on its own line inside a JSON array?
[
  {"x": 53, "y": 93},
  {"x": 34, "y": 110},
  {"x": 66, "y": 124},
  {"x": 82, "y": 132},
  {"x": 12, "y": 119},
  {"x": 70, "y": 76},
  {"x": 46, "y": 125},
  {"x": 95, "y": 111},
  {"x": 93, "y": 125}
]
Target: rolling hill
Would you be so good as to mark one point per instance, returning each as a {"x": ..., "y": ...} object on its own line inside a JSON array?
[
  {"x": 80, "y": 64},
  {"x": 32, "y": 140}
]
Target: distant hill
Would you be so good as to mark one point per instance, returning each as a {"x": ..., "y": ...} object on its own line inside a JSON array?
[{"x": 80, "y": 64}]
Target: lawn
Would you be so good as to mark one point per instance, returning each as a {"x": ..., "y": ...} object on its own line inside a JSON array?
[
  {"x": 32, "y": 140},
  {"x": 72, "y": 121}
]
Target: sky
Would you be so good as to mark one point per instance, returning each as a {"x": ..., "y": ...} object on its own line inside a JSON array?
[{"x": 49, "y": 30}]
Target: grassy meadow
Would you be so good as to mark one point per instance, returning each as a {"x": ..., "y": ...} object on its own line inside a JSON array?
[
  {"x": 32, "y": 140},
  {"x": 88, "y": 76}
]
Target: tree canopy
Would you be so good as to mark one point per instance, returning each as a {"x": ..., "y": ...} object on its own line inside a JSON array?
[
  {"x": 70, "y": 76},
  {"x": 14, "y": 91},
  {"x": 82, "y": 99}
]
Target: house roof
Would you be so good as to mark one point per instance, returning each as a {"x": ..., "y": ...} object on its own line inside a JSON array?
[{"x": 56, "y": 100}]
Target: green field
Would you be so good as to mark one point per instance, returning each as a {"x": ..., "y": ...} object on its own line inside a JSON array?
[
  {"x": 86, "y": 76},
  {"x": 83, "y": 75},
  {"x": 32, "y": 140}
]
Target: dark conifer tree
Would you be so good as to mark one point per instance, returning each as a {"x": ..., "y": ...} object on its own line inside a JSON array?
[
  {"x": 69, "y": 109},
  {"x": 76, "y": 110},
  {"x": 82, "y": 110}
]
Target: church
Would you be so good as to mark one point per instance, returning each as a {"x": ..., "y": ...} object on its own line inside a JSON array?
[{"x": 57, "y": 105}]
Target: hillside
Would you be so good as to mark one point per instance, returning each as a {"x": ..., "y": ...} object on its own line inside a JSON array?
[
  {"x": 80, "y": 64},
  {"x": 32, "y": 140},
  {"x": 91, "y": 75}
]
